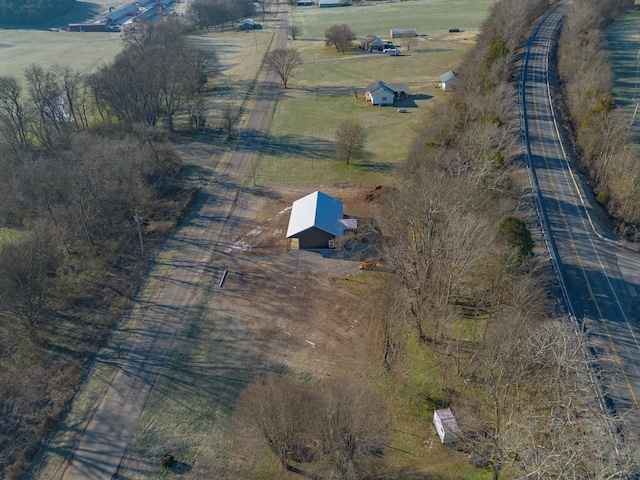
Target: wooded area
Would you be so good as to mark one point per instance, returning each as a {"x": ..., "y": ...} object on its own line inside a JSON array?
[
  {"x": 32, "y": 12},
  {"x": 81, "y": 156},
  {"x": 601, "y": 131}
]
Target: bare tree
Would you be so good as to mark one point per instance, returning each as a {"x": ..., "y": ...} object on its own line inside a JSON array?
[
  {"x": 13, "y": 115},
  {"x": 407, "y": 39},
  {"x": 341, "y": 36},
  {"x": 350, "y": 141},
  {"x": 283, "y": 62},
  {"x": 264, "y": 5},
  {"x": 294, "y": 31},
  {"x": 278, "y": 410},
  {"x": 75, "y": 93},
  {"x": 27, "y": 269},
  {"x": 230, "y": 118},
  {"x": 353, "y": 426}
]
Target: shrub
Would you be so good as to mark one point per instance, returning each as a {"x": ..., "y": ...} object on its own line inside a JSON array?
[
  {"x": 517, "y": 234},
  {"x": 602, "y": 197},
  {"x": 167, "y": 461}
]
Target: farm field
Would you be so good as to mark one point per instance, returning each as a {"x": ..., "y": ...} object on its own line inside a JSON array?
[
  {"x": 84, "y": 52},
  {"x": 261, "y": 322}
]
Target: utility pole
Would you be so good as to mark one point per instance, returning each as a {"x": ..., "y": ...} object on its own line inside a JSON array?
[{"x": 137, "y": 217}]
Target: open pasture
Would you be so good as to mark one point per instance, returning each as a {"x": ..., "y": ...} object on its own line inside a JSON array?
[
  {"x": 323, "y": 90},
  {"x": 84, "y": 52},
  {"x": 377, "y": 18},
  {"x": 48, "y": 44}
]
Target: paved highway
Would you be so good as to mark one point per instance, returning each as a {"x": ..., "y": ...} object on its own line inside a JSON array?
[{"x": 600, "y": 280}]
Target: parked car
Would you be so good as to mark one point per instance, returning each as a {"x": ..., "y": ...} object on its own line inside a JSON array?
[
  {"x": 402, "y": 110},
  {"x": 394, "y": 52}
]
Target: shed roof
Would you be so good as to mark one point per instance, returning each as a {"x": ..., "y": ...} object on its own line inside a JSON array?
[
  {"x": 448, "y": 76},
  {"x": 317, "y": 210}
]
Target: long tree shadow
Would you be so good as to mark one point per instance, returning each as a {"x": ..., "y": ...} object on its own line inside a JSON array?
[{"x": 297, "y": 145}]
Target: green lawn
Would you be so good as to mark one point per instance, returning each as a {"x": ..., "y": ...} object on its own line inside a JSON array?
[{"x": 300, "y": 148}]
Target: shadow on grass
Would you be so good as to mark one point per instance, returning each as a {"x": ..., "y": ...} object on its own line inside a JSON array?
[
  {"x": 297, "y": 145},
  {"x": 82, "y": 12},
  {"x": 381, "y": 167}
]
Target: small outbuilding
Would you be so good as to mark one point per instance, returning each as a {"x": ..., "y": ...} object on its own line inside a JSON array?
[
  {"x": 316, "y": 221},
  {"x": 403, "y": 32},
  {"x": 332, "y": 3},
  {"x": 449, "y": 81},
  {"x": 446, "y": 425}
]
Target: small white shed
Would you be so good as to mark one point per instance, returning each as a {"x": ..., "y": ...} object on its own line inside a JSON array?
[
  {"x": 446, "y": 425},
  {"x": 449, "y": 81}
]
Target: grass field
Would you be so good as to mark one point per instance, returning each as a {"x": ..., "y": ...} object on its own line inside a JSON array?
[
  {"x": 624, "y": 44},
  {"x": 84, "y": 52},
  {"x": 302, "y": 137},
  {"x": 427, "y": 16}
]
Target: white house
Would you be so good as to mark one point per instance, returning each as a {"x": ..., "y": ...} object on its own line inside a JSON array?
[
  {"x": 380, "y": 93},
  {"x": 449, "y": 81},
  {"x": 446, "y": 425}
]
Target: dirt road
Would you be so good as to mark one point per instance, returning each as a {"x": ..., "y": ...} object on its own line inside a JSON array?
[{"x": 101, "y": 447}]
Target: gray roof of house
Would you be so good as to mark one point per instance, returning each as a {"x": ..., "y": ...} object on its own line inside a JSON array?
[
  {"x": 317, "y": 210},
  {"x": 392, "y": 87}
]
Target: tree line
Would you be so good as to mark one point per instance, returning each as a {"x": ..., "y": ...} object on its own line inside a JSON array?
[
  {"x": 218, "y": 13},
  {"x": 600, "y": 130},
  {"x": 32, "y": 12},
  {"x": 80, "y": 156},
  {"x": 474, "y": 294}
]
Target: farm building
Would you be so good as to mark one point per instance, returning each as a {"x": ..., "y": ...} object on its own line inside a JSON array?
[
  {"x": 372, "y": 43},
  {"x": 316, "y": 220},
  {"x": 449, "y": 81},
  {"x": 151, "y": 15},
  {"x": 332, "y": 3},
  {"x": 88, "y": 27},
  {"x": 246, "y": 24},
  {"x": 380, "y": 93},
  {"x": 446, "y": 425},
  {"x": 403, "y": 32}
]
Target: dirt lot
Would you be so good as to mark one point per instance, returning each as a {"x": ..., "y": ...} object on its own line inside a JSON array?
[
  {"x": 308, "y": 311},
  {"x": 294, "y": 312}
]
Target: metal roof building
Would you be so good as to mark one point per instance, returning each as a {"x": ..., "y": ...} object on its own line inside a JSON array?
[
  {"x": 315, "y": 220},
  {"x": 446, "y": 425}
]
